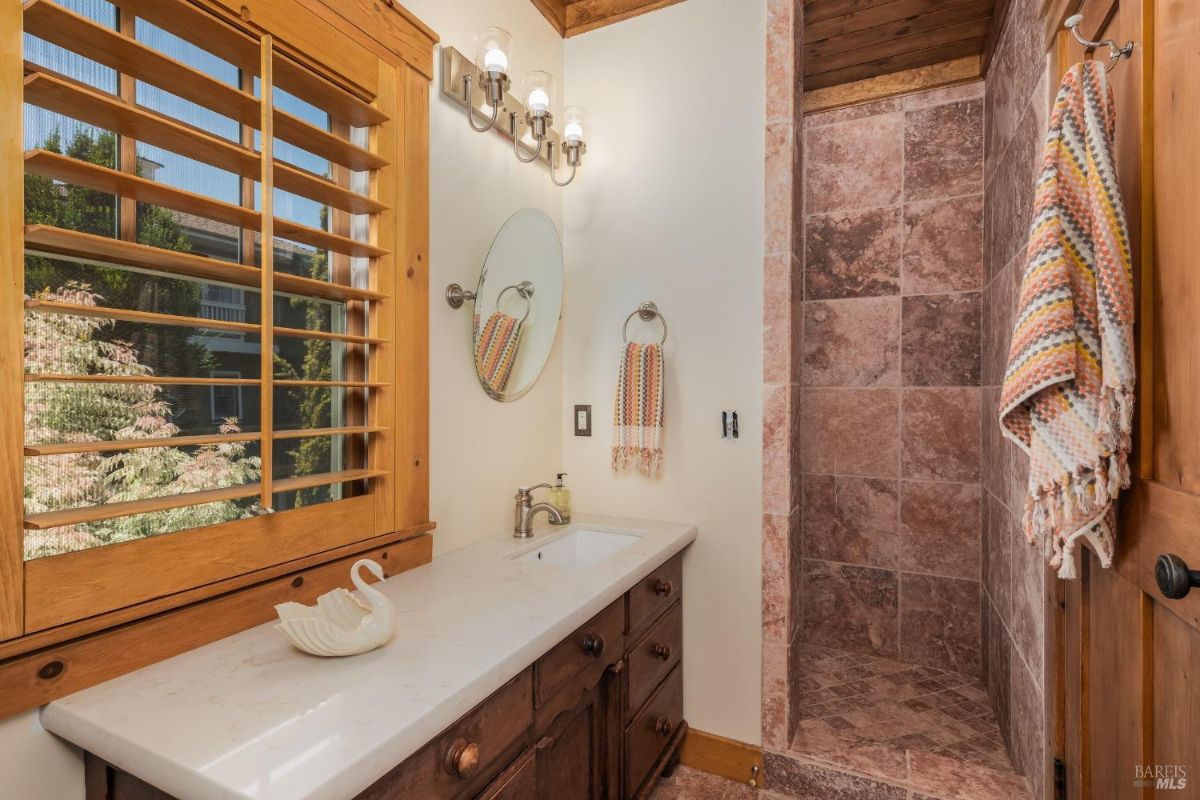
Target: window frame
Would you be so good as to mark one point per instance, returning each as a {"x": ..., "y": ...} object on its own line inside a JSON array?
[{"x": 60, "y": 607}]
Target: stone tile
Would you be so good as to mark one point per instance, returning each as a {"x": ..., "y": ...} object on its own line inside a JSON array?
[
  {"x": 807, "y": 781},
  {"x": 855, "y": 112},
  {"x": 781, "y": 61},
  {"x": 997, "y": 322},
  {"x": 774, "y": 695},
  {"x": 692, "y": 784},
  {"x": 999, "y": 533},
  {"x": 950, "y": 94},
  {"x": 1018, "y": 64},
  {"x": 780, "y": 174},
  {"x": 1027, "y": 718},
  {"x": 994, "y": 454},
  {"x": 1008, "y": 211},
  {"x": 851, "y": 520},
  {"x": 780, "y": 484},
  {"x": 943, "y": 151},
  {"x": 943, "y": 246},
  {"x": 949, "y": 778},
  {"x": 941, "y": 340},
  {"x": 776, "y": 587},
  {"x": 940, "y": 434},
  {"x": 852, "y": 608},
  {"x": 851, "y": 432},
  {"x": 1029, "y": 576},
  {"x": 940, "y": 526},
  {"x": 852, "y": 254},
  {"x": 820, "y": 741},
  {"x": 939, "y": 622},
  {"x": 852, "y": 342},
  {"x": 854, "y": 164},
  {"x": 999, "y": 685},
  {"x": 781, "y": 347}
]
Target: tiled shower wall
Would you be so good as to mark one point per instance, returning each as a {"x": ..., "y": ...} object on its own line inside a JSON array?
[
  {"x": 1015, "y": 580},
  {"x": 891, "y": 370}
]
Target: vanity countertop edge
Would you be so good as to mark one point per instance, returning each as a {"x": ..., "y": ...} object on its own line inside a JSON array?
[{"x": 250, "y": 718}]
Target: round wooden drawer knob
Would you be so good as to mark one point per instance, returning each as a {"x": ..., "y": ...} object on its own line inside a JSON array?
[
  {"x": 663, "y": 726},
  {"x": 662, "y": 651},
  {"x": 593, "y": 645},
  {"x": 462, "y": 759},
  {"x": 663, "y": 587}
]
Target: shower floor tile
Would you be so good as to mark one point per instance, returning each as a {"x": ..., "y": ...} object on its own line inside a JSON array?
[{"x": 924, "y": 728}]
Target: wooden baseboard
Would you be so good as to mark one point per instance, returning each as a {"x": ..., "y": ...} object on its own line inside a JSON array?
[
  {"x": 947, "y": 73},
  {"x": 727, "y": 758}
]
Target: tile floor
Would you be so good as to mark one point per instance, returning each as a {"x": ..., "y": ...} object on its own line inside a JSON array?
[
  {"x": 876, "y": 729},
  {"x": 912, "y": 728}
]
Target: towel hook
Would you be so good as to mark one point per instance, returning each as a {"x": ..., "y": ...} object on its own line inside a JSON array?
[
  {"x": 646, "y": 311},
  {"x": 1115, "y": 54}
]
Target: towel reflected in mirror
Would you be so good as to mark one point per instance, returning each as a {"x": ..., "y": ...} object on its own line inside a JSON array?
[{"x": 496, "y": 344}]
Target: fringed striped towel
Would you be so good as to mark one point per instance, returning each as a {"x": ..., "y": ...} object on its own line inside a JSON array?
[
  {"x": 496, "y": 346},
  {"x": 1068, "y": 392},
  {"x": 638, "y": 411}
]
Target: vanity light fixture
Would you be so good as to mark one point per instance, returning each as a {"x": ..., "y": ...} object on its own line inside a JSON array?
[
  {"x": 538, "y": 95},
  {"x": 573, "y": 145},
  {"x": 531, "y": 111},
  {"x": 493, "y": 51}
]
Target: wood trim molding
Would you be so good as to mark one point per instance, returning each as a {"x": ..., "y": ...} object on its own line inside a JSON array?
[
  {"x": 947, "y": 73},
  {"x": 37, "y": 678},
  {"x": 718, "y": 755},
  {"x": 573, "y": 17}
]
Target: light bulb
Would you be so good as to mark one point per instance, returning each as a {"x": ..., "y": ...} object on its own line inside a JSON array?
[
  {"x": 573, "y": 132},
  {"x": 539, "y": 100},
  {"x": 495, "y": 60}
]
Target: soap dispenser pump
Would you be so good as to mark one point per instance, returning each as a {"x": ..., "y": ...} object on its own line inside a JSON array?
[{"x": 560, "y": 498}]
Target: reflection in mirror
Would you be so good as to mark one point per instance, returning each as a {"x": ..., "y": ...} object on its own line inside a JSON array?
[{"x": 517, "y": 305}]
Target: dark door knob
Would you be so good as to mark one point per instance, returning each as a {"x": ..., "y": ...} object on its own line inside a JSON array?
[{"x": 1174, "y": 578}]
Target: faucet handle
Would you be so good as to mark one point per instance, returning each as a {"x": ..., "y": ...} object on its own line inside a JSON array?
[{"x": 529, "y": 489}]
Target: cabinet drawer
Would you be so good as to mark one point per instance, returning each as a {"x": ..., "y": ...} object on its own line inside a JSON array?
[
  {"x": 651, "y": 659},
  {"x": 650, "y": 732},
  {"x": 589, "y": 650},
  {"x": 651, "y": 596},
  {"x": 518, "y": 782},
  {"x": 468, "y": 754}
]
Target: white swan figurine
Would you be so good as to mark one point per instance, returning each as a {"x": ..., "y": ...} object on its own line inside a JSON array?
[{"x": 339, "y": 624}]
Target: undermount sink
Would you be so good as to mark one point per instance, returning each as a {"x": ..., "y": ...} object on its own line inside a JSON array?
[{"x": 580, "y": 547}]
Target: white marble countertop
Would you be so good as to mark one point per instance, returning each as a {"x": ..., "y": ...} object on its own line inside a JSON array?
[{"x": 250, "y": 717}]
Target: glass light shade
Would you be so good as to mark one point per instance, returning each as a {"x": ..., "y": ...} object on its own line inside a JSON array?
[
  {"x": 539, "y": 91},
  {"x": 493, "y": 49},
  {"x": 575, "y": 123}
]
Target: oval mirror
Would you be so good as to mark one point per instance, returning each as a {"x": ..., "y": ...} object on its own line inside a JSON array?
[{"x": 517, "y": 305}]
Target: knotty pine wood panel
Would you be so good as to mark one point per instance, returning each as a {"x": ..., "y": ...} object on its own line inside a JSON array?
[{"x": 848, "y": 41}]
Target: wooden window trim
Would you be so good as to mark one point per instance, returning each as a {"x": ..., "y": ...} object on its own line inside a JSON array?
[{"x": 196, "y": 586}]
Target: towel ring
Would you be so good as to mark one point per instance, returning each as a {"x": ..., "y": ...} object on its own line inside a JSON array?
[
  {"x": 647, "y": 311},
  {"x": 525, "y": 290}
]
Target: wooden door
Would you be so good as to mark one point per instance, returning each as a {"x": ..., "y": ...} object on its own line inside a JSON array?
[{"x": 1128, "y": 711}]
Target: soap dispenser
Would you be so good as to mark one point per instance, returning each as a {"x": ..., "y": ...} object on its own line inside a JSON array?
[{"x": 560, "y": 498}]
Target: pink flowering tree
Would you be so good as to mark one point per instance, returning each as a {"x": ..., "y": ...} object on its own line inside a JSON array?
[{"x": 88, "y": 412}]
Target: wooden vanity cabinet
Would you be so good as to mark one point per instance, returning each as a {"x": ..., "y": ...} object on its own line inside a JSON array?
[{"x": 598, "y": 717}]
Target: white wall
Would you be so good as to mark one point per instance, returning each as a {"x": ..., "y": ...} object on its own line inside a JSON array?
[
  {"x": 669, "y": 208},
  {"x": 34, "y": 765},
  {"x": 481, "y": 450}
]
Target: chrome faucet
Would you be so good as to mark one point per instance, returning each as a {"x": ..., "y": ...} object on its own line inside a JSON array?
[{"x": 525, "y": 510}]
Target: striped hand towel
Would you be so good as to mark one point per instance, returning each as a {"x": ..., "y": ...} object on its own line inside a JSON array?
[
  {"x": 638, "y": 411},
  {"x": 496, "y": 346},
  {"x": 1068, "y": 391}
]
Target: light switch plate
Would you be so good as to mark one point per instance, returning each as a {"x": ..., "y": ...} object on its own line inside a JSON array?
[{"x": 583, "y": 420}]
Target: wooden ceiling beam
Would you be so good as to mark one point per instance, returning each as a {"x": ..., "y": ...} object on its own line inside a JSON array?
[
  {"x": 573, "y": 17},
  {"x": 919, "y": 79}
]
